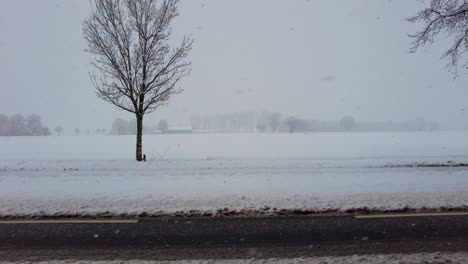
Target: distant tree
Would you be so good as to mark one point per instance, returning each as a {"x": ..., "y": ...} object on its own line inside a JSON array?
[
  {"x": 163, "y": 126},
  {"x": 119, "y": 127},
  {"x": 293, "y": 124},
  {"x": 446, "y": 19},
  {"x": 261, "y": 126},
  {"x": 98, "y": 131},
  {"x": 132, "y": 127},
  {"x": 17, "y": 125},
  {"x": 4, "y": 125},
  {"x": 347, "y": 123},
  {"x": 433, "y": 125},
  {"x": 195, "y": 123},
  {"x": 77, "y": 131},
  {"x": 104, "y": 131},
  {"x": 34, "y": 125},
  {"x": 45, "y": 131},
  {"x": 274, "y": 121},
  {"x": 131, "y": 42},
  {"x": 420, "y": 124},
  {"x": 262, "y": 121},
  {"x": 59, "y": 130}
]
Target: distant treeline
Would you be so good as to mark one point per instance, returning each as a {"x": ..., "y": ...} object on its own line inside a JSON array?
[
  {"x": 272, "y": 122},
  {"x": 18, "y": 125},
  {"x": 123, "y": 127}
]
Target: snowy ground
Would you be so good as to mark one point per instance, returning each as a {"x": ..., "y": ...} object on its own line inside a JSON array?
[
  {"x": 249, "y": 172},
  {"x": 426, "y": 258}
]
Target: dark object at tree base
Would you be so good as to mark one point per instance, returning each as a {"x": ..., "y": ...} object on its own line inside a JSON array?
[{"x": 144, "y": 158}]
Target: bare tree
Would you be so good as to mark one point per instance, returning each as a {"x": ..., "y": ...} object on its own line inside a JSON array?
[
  {"x": 132, "y": 126},
  {"x": 348, "y": 123},
  {"x": 447, "y": 17},
  {"x": 77, "y": 131},
  {"x": 163, "y": 126},
  {"x": 261, "y": 127},
  {"x": 432, "y": 125},
  {"x": 4, "y": 125},
  {"x": 294, "y": 124},
  {"x": 195, "y": 123},
  {"x": 58, "y": 130},
  {"x": 262, "y": 121},
  {"x": 138, "y": 70},
  {"x": 119, "y": 127},
  {"x": 34, "y": 125},
  {"x": 274, "y": 120},
  {"x": 45, "y": 131},
  {"x": 18, "y": 125}
]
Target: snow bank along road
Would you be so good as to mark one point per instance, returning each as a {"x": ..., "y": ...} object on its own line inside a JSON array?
[
  {"x": 232, "y": 174},
  {"x": 436, "y": 258},
  {"x": 102, "y": 256}
]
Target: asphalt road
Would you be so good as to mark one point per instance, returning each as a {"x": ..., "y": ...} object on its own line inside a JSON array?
[{"x": 231, "y": 237}]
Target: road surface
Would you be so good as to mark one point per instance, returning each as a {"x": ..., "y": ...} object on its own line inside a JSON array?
[{"x": 195, "y": 238}]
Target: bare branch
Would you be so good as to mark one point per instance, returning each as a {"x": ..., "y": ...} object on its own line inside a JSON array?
[
  {"x": 444, "y": 16},
  {"x": 129, "y": 41}
]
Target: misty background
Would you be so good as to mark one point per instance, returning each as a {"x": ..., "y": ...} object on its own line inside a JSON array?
[{"x": 316, "y": 60}]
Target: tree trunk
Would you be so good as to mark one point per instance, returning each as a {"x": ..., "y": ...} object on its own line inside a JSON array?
[{"x": 139, "y": 152}]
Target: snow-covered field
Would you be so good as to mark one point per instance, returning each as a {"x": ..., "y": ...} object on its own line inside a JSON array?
[{"x": 240, "y": 172}]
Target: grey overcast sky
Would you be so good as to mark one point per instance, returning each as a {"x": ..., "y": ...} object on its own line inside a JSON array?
[{"x": 317, "y": 59}]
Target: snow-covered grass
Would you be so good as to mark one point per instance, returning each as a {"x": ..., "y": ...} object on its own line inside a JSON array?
[{"x": 247, "y": 172}]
